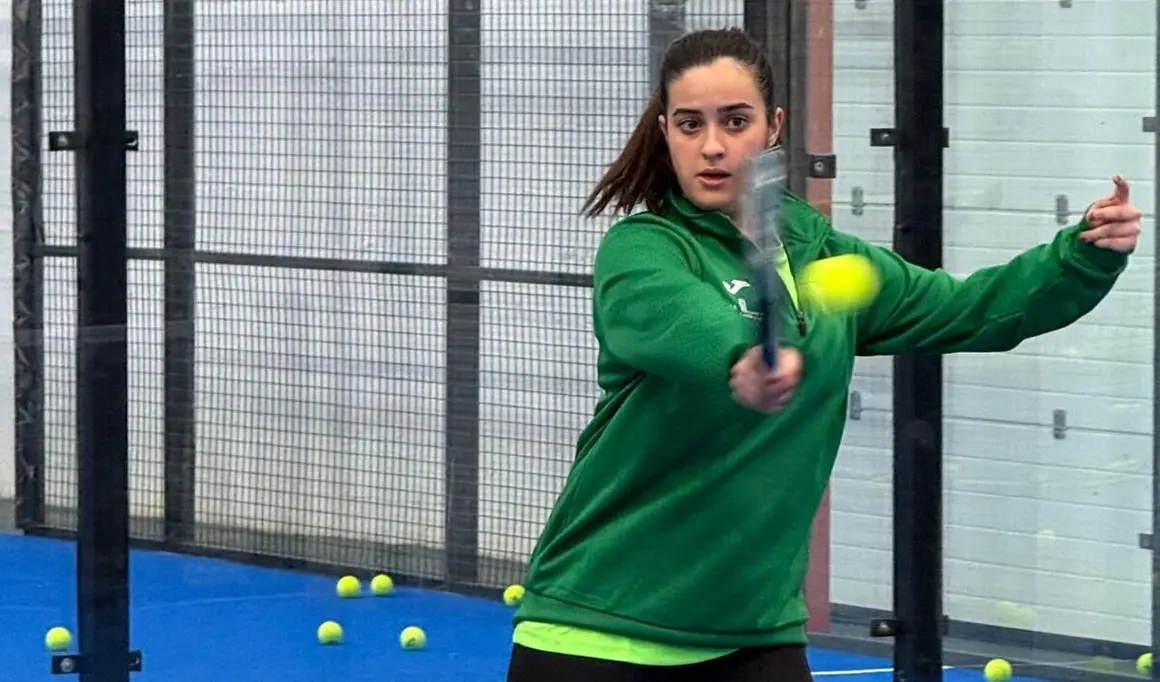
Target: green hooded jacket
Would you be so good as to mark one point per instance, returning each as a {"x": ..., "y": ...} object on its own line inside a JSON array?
[{"x": 685, "y": 519}]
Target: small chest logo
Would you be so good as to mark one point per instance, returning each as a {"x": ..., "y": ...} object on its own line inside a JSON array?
[{"x": 734, "y": 288}]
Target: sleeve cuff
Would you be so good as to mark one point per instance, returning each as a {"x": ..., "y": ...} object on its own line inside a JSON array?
[{"x": 1090, "y": 258}]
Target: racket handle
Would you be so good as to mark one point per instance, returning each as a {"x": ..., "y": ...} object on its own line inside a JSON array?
[
  {"x": 769, "y": 352},
  {"x": 768, "y": 304}
]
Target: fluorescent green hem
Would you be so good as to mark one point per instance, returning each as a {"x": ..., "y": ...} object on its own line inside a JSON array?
[{"x": 573, "y": 641}]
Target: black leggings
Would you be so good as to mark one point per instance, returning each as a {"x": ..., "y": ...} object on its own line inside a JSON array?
[{"x": 762, "y": 664}]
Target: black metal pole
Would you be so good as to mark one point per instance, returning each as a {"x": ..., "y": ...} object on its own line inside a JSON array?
[
  {"x": 464, "y": 158},
  {"x": 666, "y": 23},
  {"x": 27, "y": 264},
  {"x": 781, "y": 27},
  {"x": 918, "y": 236},
  {"x": 1155, "y": 544},
  {"x": 180, "y": 280},
  {"x": 102, "y": 375}
]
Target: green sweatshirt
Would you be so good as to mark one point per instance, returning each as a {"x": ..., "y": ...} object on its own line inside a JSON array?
[{"x": 685, "y": 519}]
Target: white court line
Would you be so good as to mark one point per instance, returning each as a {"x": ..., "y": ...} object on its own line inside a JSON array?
[{"x": 866, "y": 671}]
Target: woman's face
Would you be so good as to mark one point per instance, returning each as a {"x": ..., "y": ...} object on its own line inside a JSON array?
[{"x": 716, "y": 120}]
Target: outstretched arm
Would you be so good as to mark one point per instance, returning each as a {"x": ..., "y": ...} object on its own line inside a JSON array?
[{"x": 995, "y": 309}]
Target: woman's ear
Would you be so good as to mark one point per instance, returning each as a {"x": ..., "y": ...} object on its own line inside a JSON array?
[
  {"x": 664, "y": 128},
  {"x": 775, "y": 125}
]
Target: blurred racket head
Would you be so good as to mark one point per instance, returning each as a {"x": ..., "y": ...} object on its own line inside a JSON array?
[{"x": 765, "y": 181}]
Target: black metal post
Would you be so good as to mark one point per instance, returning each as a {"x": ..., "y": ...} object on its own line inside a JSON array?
[
  {"x": 180, "y": 279},
  {"x": 666, "y": 23},
  {"x": 102, "y": 368},
  {"x": 461, "y": 532},
  {"x": 918, "y": 236},
  {"x": 781, "y": 27},
  {"x": 1155, "y": 625},
  {"x": 27, "y": 263}
]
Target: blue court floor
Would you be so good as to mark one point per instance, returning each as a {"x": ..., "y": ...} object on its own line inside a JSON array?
[{"x": 204, "y": 620}]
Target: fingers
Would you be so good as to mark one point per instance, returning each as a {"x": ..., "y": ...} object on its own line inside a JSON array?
[
  {"x": 1098, "y": 212},
  {"x": 1117, "y": 236},
  {"x": 783, "y": 400},
  {"x": 1128, "y": 229},
  {"x": 756, "y": 386},
  {"x": 1121, "y": 244},
  {"x": 1117, "y": 213}
]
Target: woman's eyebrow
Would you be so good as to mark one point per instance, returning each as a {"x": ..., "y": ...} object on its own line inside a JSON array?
[{"x": 727, "y": 109}]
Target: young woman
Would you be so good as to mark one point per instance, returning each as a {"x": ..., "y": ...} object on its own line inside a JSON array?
[{"x": 678, "y": 546}]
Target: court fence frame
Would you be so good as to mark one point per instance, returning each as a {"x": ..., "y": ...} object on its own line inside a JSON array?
[{"x": 103, "y": 144}]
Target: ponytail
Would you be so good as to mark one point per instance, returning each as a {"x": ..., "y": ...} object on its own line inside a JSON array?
[{"x": 642, "y": 173}]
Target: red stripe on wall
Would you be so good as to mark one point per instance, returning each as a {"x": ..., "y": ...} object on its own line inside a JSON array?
[{"x": 820, "y": 140}]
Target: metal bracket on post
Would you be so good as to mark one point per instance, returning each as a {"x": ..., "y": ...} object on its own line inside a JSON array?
[
  {"x": 886, "y": 137},
  {"x": 823, "y": 166},
  {"x": 1059, "y": 424},
  {"x": 1149, "y": 124},
  {"x": 69, "y": 141},
  {"x": 74, "y": 664},
  {"x": 855, "y": 408},
  {"x": 1062, "y": 210}
]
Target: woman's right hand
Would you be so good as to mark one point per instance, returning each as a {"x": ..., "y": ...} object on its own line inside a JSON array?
[{"x": 757, "y": 387}]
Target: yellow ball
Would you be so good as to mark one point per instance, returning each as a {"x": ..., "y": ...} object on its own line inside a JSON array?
[
  {"x": 382, "y": 585},
  {"x": 58, "y": 639},
  {"x": 1103, "y": 664},
  {"x": 1006, "y": 612},
  {"x": 997, "y": 670},
  {"x": 1025, "y": 617},
  {"x": 348, "y": 586},
  {"x": 513, "y": 595},
  {"x": 412, "y": 637},
  {"x": 841, "y": 284},
  {"x": 330, "y": 632},
  {"x": 1144, "y": 664}
]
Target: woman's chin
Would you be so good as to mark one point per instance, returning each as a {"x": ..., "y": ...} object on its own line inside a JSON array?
[{"x": 710, "y": 199}]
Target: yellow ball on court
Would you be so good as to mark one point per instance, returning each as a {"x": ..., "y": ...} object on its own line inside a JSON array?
[
  {"x": 841, "y": 284},
  {"x": 997, "y": 670},
  {"x": 513, "y": 595},
  {"x": 348, "y": 586},
  {"x": 1144, "y": 664},
  {"x": 382, "y": 585},
  {"x": 58, "y": 639},
  {"x": 330, "y": 632},
  {"x": 412, "y": 637}
]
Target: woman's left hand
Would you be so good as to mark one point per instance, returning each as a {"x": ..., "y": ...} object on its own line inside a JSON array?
[{"x": 1113, "y": 222}]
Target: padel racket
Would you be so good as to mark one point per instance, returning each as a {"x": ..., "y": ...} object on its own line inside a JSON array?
[{"x": 765, "y": 184}]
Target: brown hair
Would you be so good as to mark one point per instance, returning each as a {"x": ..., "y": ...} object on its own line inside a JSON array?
[{"x": 643, "y": 172}]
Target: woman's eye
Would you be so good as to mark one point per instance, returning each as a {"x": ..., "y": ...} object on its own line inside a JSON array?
[
  {"x": 687, "y": 126},
  {"x": 737, "y": 122}
]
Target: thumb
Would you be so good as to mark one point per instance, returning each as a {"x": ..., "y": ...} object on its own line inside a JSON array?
[{"x": 1122, "y": 190}]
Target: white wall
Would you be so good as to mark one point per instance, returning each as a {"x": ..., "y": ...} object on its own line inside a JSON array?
[{"x": 1040, "y": 533}]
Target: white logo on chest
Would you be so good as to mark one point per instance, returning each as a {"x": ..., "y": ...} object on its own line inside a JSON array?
[{"x": 735, "y": 287}]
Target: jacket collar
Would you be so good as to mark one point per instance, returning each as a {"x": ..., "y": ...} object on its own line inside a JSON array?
[{"x": 795, "y": 232}]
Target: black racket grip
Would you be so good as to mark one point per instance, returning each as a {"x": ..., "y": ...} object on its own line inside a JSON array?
[{"x": 768, "y": 308}]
